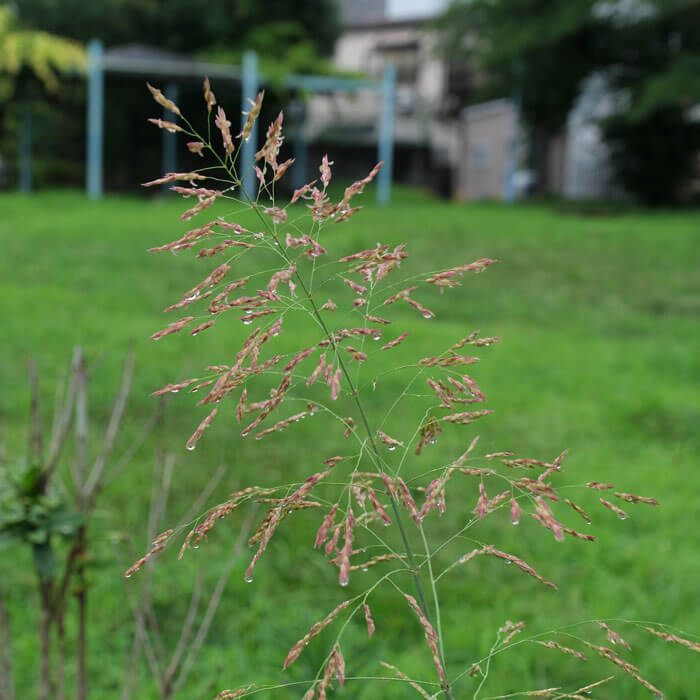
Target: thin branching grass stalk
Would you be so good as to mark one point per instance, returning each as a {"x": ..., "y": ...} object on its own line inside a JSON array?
[{"x": 356, "y": 503}]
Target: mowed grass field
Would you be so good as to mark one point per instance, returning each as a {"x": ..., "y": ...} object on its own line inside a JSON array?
[{"x": 600, "y": 353}]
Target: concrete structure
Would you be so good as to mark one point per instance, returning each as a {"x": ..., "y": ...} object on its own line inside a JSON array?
[
  {"x": 473, "y": 154},
  {"x": 427, "y": 124},
  {"x": 489, "y": 139}
]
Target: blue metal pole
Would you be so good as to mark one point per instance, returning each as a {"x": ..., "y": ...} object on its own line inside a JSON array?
[
  {"x": 25, "y": 149},
  {"x": 385, "y": 147},
  {"x": 509, "y": 193},
  {"x": 169, "y": 154},
  {"x": 249, "y": 90},
  {"x": 95, "y": 120}
]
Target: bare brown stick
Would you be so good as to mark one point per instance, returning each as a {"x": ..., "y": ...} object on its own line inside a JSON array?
[
  {"x": 45, "y": 676},
  {"x": 151, "y": 425},
  {"x": 203, "y": 497},
  {"x": 60, "y": 434},
  {"x": 7, "y": 689},
  {"x": 185, "y": 634},
  {"x": 36, "y": 440},
  {"x": 214, "y": 601},
  {"x": 94, "y": 481},
  {"x": 79, "y": 465}
]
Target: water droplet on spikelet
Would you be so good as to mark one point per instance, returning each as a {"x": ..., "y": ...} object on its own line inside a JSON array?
[
  {"x": 174, "y": 391},
  {"x": 127, "y": 576},
  {"x": 365, "y": 569},
  {"x": 392, "y": 448},
  {"x": 190, "y": 447},
  {"x": 343, "y": 583},
  {"x": 248, "y": 578},
  {"x": 514, "y": 522},
  {"x": 247, "y": 321},
  {"x": 427, "y": 315}
]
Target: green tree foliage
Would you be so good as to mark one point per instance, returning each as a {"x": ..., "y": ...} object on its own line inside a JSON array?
[
  {"x": 43, "y": 54},
  {"x": 191, "y": 26},
  {"x": 512, "y": 44},
  {"x": 649, "y": 51}
]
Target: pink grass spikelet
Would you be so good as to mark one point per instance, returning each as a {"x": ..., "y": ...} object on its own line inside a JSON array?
[
  {"x": 163, "y": 101},
  {"x": 357, "y": 288},
  {"x": 252, "y": 116},
  {"x": 579, "y": 535},
  {"x": 613, "y": 637},
  {"x": 515, "y": 511},
  {"x": 203, "y": 204},
  {"x": 407, "y": 500},
  {"x": 299, "y": 357},
  {"x": 598, "y": 486},
  {"x": 278, "y": 216},
  {"x": 404, "y": 677},
  {"x": 318, "y": 370},
  {"x": 158, "y": 545},
  {"x": 369, "y": 620},
  {"x": 191, "y": 443},
  {"x": 196, "y": 147},
  {"x": 172, "y": 177},
  {"x": 202, "y": 326},
  {"x": 224, "y": 126},
  {"x": 335, "y": 385},
  {"x": 511, "y": 558},
  {"x": 544, "y": 517},
  {"x": 563, "y": 649},
  {"x": 314, "y": 631},
  {"x": 450, "y": 361},
  {"x": 430, "y": 636},
  {"x": 618, "y": 511},
  {"x": 378, "y": 507},
  {"x": 510, "y": 629},
  {"x": 240, "y": 407},
  {"x": 693, "y": 646},
  {"x": 394, "y": 343},
  {"x": 346, "y": 551},
  {"x": 168, "y": 126},
  {"x": 174, "y": 327},
  {"x": 389, "y": 441},
  {"x": 627, "y": 667},
  {"x": 282, "y": 169},
  {"x": 209, "y": 97},
  {"x": 356, "y": 354},
  {"x": 358, "y": 186},
  {"x": 631, "y": 498},
  {"x": 482, "y": 503},
  {"x": 579, "y": 510},
  {"x": 273, "y": 141},
  {"x": 232, "y": 694},
  {"x": 326, "y": 523},
  {"x": 174, "y": 388},
  {"x": 325, "y": 169}
]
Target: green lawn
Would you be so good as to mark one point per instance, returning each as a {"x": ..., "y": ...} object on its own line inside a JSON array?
[{"x": 599, "y": 353}]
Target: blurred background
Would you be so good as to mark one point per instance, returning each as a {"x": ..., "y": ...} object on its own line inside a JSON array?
[{"x": 560, "y": 137}]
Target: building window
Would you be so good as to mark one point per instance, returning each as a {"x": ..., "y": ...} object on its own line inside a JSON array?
[{"x": 404, "y": 57}]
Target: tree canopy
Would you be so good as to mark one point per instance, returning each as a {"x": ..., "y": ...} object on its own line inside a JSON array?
[
  {"x": 648, "y": 51},
  {"x": 191, "y": 26},
  {"x": 45, "y": 55}
]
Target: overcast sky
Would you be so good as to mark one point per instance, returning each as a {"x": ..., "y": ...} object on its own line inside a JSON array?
[{"x": 414, "y": 8}]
